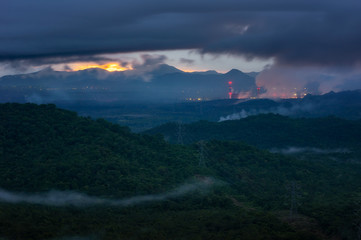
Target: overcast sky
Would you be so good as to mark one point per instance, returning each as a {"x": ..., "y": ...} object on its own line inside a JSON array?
[{"x": 296, "y": 41}]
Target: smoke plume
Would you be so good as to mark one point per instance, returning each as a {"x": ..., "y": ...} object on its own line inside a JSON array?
[
  {"x": 284, "y": 81},
  {"x": 294, "y": 110}
]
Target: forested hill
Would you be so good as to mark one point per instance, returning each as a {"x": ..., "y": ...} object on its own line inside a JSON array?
[
  {"x": 249, "y": 193},
  {"x": 57, "y": 149},
  {"x": 270, "y": 131}
]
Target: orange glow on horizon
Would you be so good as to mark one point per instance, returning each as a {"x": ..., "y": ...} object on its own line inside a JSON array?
[
  {"x": 187, "y": 70},
  {"x": 110, "y": 67}
]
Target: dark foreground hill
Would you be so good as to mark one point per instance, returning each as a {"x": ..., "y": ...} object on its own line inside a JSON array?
[{"x": 69, "y": 177}]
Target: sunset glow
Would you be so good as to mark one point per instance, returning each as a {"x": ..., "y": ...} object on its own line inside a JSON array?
[
  {"x": 110, "y": 67},
  {"x": 187, "y": 70}
]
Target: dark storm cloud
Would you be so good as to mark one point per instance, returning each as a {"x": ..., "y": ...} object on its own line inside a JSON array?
[
  {"x": 58, "y": 60},
  {"x": 70, "y": 59},
  {"x": 301, "y": 31},
  {"x": 151, "y": 60},
  {"x": 27, "y": 63}
]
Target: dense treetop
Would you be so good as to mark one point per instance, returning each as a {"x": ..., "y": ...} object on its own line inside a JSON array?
[
  {"x": 44, "y": 148},
  {"x": 271, "y": 130}
]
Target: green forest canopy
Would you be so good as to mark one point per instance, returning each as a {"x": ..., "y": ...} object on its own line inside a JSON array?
[{"x": 44, "y": 148}]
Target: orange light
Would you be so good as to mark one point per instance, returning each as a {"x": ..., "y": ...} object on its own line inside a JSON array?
[
  {"x": 110, "y": 67},
  {"x": 187, "y": 71}
]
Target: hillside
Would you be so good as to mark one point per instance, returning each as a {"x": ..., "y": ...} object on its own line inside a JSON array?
[
  {"x": 64, "y": 176},
  {"x": 271, "y": 131},
  {"x": 65, "y": 151}
]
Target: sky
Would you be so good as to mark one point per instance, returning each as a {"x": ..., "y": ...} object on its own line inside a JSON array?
[{"x": 296, "y": 44}]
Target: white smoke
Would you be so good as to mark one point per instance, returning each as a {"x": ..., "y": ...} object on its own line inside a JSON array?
[
  {"x": 295, "y": 109},
  {"x": 237, "y": 116},
  {"x": 297, "y": 150},
  {"x": 51, "y": 96},
  {"x": 76, "y": 238},
  {"x": 68, "y": 198},
  {"x": 34, "y": 98}
]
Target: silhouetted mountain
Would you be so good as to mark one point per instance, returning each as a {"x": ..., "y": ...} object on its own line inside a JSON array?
[
  {"x": 163, "y": 82},
  {"x": 163, "y": 69},
  {"x": 234, "y": 73},
  {"x": 207, "y": 72}
]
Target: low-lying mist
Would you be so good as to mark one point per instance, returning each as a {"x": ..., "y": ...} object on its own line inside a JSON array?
[
  {"x": 71, "y": 198},
  {"x": 298, "y": 150}
]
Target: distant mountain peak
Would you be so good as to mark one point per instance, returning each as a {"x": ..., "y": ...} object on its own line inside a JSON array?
[
  {"x": 209, "y": 72},
  {"x": 168, "y": 68},
  {"x": 163, "y": 69},
  {"x": 45, "y": 72},
  {"x": 94, "y": 70},
  {"x": 234, "y": 71}
]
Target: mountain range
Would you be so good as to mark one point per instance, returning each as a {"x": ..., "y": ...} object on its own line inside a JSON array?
[{"x": 162, "y": 82}]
